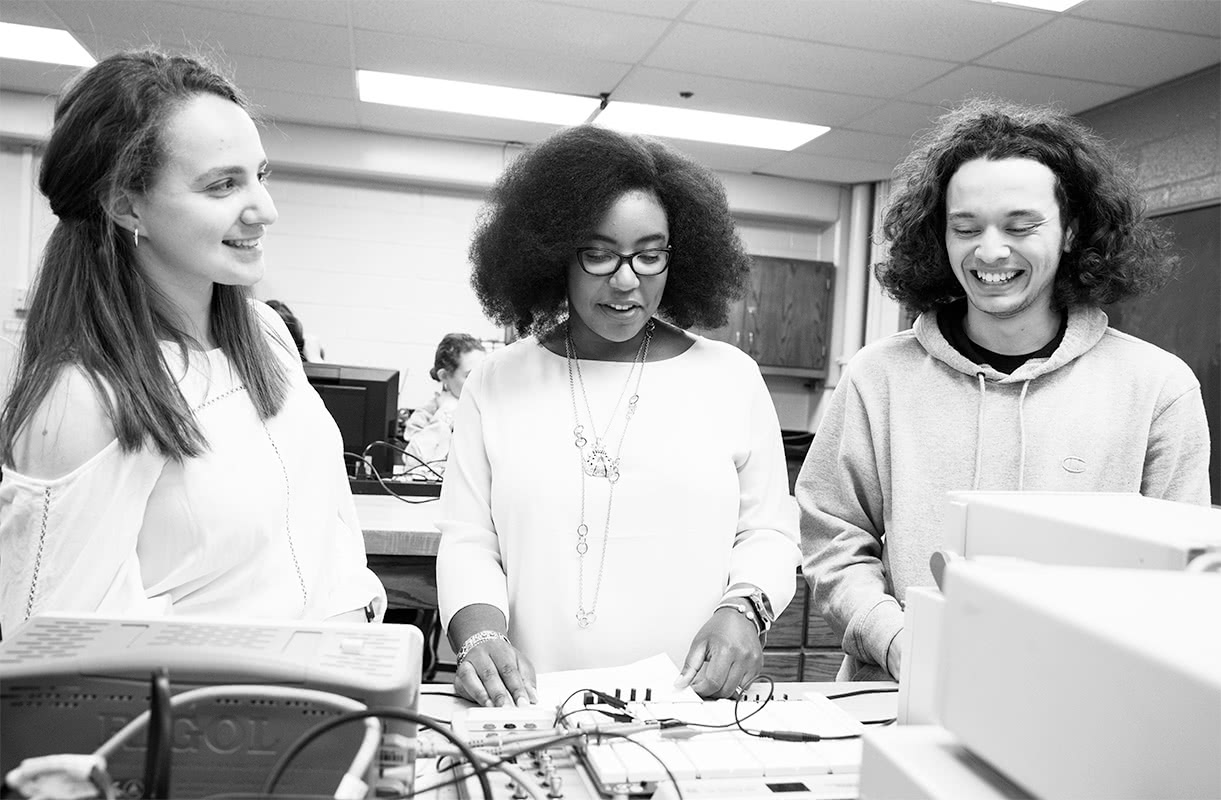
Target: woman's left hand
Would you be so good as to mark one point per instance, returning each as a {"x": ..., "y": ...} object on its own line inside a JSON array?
[{"x": 725, "y": 656}]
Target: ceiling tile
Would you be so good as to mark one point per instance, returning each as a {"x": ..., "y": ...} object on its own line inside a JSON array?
[
  {"x": 282, "y": 106},
  {"x": 897, "y": 118},
  {"x": 33, "y": 77},
  {"x": 725, "y": 158},
  {"x": 827, "y": 169},
  {"x": 1185, "y": 16},
  {"x": 29, "y": 12},
  {"x": 1021, "y": 87},
  {"x": 206, "y": 27},
  {"x": 326, "y": 12},
  {"x": 498, "y": 65},
  {"x": 858, "y": 145},
  {"x": 1106, "y": 52},
  {"x": 730, "y": 96},
  {"x": 522, "y": 24},
  {"x": 253, "y": 72},
  {"x": 788, "y": 62},
  {"x": 931, "y": 28},
  {"x": 666, "y": 9}
]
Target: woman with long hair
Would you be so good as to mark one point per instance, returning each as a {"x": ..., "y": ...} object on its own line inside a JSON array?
[{"x": 162, "y": 450}]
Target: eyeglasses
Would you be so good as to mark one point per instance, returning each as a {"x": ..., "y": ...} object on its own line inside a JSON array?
[{"x": 645, "y": 263}]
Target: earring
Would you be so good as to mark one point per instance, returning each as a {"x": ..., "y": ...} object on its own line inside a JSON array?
[{"x": 135, "y": 235}]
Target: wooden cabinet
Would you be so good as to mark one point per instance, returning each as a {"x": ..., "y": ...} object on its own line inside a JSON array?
[
  {"x": 800, "y": 646},
  {"x": 784, "y": 321}
]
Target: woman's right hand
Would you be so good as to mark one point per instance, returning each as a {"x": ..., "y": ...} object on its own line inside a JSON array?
[{"x": 495, "y": 673}]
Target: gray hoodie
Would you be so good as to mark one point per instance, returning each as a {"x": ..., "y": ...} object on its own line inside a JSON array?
[{"x": 912, "y": 418}]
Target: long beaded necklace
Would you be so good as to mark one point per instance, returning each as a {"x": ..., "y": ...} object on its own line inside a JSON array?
[{"x": 599, "y": 463}]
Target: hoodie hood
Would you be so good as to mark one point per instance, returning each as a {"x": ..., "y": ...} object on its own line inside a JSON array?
[{"x": 1086, "y": 325}]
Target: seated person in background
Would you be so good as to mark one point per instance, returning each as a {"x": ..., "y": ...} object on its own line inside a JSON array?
[
  {"x": 163, "y": 452},
  {"x": 293, "y": 324},
  {"x": 428, "y": 429},
  {"x": 616, "y": 486},
  {"x": 1011, "y": 228}
]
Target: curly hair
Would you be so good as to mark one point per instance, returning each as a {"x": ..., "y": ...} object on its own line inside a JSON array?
[
  {"x": 549, "y": 201},
  {"x": 450, "y": 350},
  {"x": 1116, "y": 253}
]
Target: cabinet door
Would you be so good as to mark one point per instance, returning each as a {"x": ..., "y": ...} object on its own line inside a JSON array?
[
  {"x": 788, "y": 313},
  {"x": 731, "y": 331}
]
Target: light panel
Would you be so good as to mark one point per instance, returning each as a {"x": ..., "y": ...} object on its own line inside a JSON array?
[
  {"x": 708, "y": 126},
  {"x": 45, "y": 45},
  {"x": 478, "y": 99}
]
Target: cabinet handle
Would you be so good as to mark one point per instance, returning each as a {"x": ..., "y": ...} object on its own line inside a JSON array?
[
  {"x": 737, "y": 338},
  {"x": 750, "y": 339}
]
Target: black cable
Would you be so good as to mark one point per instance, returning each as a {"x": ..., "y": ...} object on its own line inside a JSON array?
[
  {"x": 158, "y": 752},
  {"x": 887, "y": 690},
  {"x": 318, "y": 730},
  {"x": 419, "y": 461},
  {"x": 782, "y": 736},
  {"x": 369, "y": 464},
  {"x": 547, "y": 743}
]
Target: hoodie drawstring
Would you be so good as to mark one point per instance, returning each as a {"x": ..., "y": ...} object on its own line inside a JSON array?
[
  {"x": 979, "y": 433},
  {"x": 1022, "y": 435}
]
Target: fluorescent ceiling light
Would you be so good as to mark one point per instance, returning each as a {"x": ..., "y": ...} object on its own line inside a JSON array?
[
  {"x": 707, "y": 126},
  {"x": 1042, "y": 5},
  {"x": 478, "y": 99},
  {"x": 48, "y": 45}
]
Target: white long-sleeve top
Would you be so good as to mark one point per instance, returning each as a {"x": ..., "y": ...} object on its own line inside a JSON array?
[
  {"x": 702, "y": 503},
  {"x": 261, "y": 525}
]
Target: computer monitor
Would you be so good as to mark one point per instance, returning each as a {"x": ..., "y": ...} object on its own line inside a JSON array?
[
  {"x": 364, "y": 403},
  {"x": 69, "y": 683}
]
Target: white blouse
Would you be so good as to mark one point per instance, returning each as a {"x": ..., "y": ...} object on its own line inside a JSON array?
[
  {"x": 702, "y": 503},
  {"x": 262, "y": 524}
]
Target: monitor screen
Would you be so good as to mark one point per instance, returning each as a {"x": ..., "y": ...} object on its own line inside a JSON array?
[{"x": 364, "y": 403}]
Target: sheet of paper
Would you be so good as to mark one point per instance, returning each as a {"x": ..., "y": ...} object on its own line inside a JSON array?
[{"x": 653, "y": 676}]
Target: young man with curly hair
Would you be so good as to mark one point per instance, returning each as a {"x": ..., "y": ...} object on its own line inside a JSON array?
[{"x": 1010, "y": 229}]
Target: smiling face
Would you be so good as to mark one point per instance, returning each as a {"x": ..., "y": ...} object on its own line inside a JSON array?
[
  {"x": 1004, "y": 239},
  {"x": 202, "y": 220},
  {"x": 613, "y": 309}
]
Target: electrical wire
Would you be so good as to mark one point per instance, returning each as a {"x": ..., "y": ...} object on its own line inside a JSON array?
[
  {"x": 158, "y": 752},
  {"x": 390, "y": 491},
  {"x": 392, "y": 446},
  {"x": 374, "y": 714},
  {"x": 841, "y": 696},
  {"x": 360, "y": 763}
]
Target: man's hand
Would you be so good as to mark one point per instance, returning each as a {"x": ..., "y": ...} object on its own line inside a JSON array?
[
  {"x": 725, "y": 656},
  {"x": 495, "y": 673}
]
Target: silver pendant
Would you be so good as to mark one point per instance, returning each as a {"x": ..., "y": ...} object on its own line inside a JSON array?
[
  {"x": 585, "y": 618},
  {"x": 598, "y": 461}
]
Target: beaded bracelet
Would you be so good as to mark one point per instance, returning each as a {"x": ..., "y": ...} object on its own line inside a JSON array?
[{"x": 476, "y": 639}]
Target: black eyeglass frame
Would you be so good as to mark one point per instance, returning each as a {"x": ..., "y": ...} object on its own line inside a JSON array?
[{"x": 629, "y": 258}]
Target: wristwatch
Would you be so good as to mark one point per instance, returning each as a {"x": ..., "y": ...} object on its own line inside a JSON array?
[{"x": 763, "y": 609}]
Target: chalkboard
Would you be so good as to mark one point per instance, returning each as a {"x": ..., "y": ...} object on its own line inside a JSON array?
[{"x": 1185, "y": 317}]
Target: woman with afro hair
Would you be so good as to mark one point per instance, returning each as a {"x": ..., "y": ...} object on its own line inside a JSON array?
[{"x": 616, "y": 486}]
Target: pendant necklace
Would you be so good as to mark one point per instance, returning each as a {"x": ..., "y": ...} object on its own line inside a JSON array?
[{"x": 599, "y": 463}]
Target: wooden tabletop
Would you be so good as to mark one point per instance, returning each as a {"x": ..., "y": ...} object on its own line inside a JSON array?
[{"x": 395, "y": 528}]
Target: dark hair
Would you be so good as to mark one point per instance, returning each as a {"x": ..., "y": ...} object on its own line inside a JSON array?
[
  {"x": 295, "y": 328},
  {"x": 548, "y": 202},
  {"x": 91, "y": 305},
  {"x": 1116, "y": 251},
  {"x": 450, "y": 351}
]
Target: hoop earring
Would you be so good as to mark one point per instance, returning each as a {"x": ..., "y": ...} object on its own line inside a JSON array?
[{"x": 135, "y": 234}]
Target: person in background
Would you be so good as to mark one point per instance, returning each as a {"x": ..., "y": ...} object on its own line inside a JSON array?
[
  {"x": 429, "y": 428},
  {"x": 163, "y": 452},
  {"x": 295, "y": 329},
  {"x": 1011, "y": 227},
  {"x": 616, "y": 486}
]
